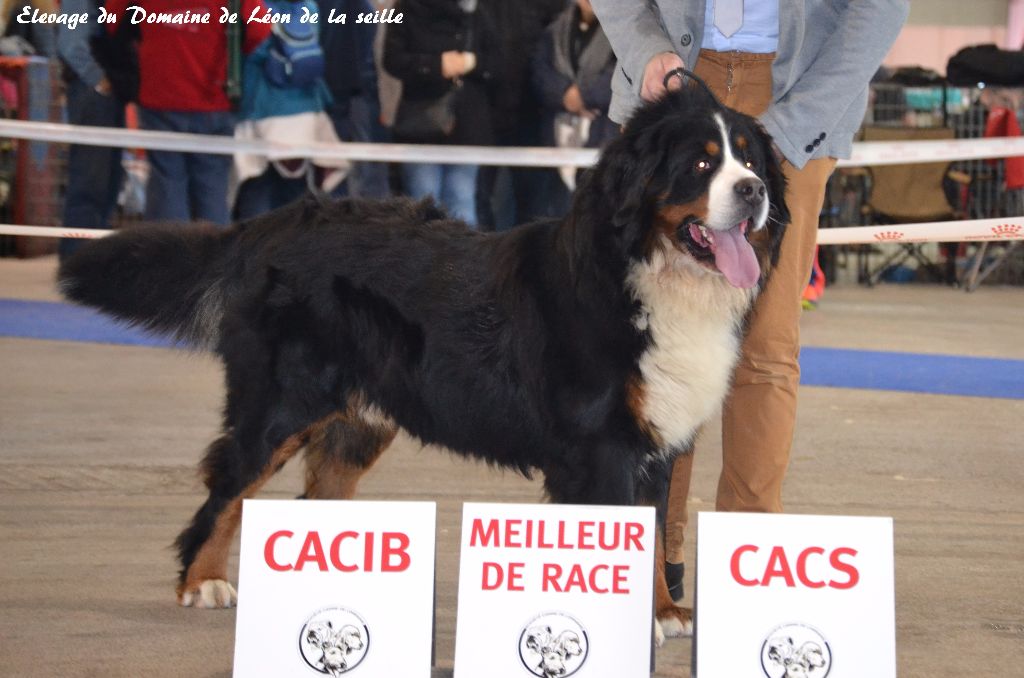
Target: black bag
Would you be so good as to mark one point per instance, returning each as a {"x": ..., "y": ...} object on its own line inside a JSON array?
[
  {"x": 426, "y": 120},
  {"x": 986, "y": 64}
]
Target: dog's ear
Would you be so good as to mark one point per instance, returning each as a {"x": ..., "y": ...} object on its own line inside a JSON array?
[
  {"x": 775, "y": 181},
  {"x": 627, "y": 183}
]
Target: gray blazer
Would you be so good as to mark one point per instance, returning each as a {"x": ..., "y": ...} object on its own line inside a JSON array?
[{"x": 828, "y": 51}]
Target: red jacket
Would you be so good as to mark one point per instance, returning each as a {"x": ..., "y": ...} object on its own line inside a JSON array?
[{"x": 183, "y": 66}]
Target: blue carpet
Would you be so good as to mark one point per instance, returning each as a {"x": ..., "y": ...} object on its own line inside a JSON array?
[
  {"x": 914, "y": 372},
  {"x": 64, "y": 322},
  {"x": 840, "y": 368}
]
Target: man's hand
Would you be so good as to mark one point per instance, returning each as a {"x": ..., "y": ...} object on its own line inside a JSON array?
[
  {"x": 654, "y": 75},
  {"x": 572, "y": 101},
  {"x": 103, "y": 87},
  {"x": 451, "y": 64},
  {"x": 455, "y": 64}
]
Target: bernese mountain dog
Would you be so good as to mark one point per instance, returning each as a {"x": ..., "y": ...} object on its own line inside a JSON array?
[{"x": 590, "y": 349}]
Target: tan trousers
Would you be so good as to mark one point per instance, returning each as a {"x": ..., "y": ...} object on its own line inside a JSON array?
[{"x": 760, "y": 412}]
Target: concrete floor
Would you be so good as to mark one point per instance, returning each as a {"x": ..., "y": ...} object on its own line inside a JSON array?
[{"x": 98, "y": 447}]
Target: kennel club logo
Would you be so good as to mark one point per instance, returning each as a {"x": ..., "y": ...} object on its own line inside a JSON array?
[
  {"x": 796, "y": 651},
  {"x": 553, "y": 645},
  {"x": 334, "y": 641}
]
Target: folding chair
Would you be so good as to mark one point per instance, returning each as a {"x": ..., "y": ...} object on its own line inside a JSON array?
[{"x": 912, "y": 193}]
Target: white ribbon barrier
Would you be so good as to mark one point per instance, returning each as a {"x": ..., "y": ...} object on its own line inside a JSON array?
[
  {"x": 864, "y": 153},
  {"x": 223, "y": 145},
  {"x": 1009, "y": 228}
]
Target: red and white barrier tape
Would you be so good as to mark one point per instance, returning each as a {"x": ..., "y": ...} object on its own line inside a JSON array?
[
  {"x": 864, "y": 153},
  {"x": 1007, "y": 228},
  {"x": 941, "y": 231}
]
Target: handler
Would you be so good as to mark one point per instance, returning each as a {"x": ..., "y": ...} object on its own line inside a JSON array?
[{"x": 802, "y": 67}]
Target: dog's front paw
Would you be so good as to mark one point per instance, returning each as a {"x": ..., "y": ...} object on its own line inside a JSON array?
[
  {"x": 674, "y": 622},
  {"x": 209, "y": 594}
]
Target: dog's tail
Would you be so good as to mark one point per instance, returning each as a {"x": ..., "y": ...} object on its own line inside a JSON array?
[{"x": 168, "y": 279}]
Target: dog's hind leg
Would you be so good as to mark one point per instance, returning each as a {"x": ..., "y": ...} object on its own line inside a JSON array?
[
  {"x": 342, "y": 448},
  {"x": 204, "y": 546}
]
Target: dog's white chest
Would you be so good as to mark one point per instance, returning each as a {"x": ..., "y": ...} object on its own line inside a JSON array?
[
  {"x": 686, "y": 374},
  {"x": 687, "y": 370}
]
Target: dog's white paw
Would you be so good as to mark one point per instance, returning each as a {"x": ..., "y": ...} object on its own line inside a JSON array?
[
  {"x": 210, "y": 594},
  {"x": 674, "y": 627},
  {"x": 674, "y": 622}
]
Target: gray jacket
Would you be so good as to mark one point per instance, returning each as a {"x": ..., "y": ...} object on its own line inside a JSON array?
[{"x": 828, "y": 51}]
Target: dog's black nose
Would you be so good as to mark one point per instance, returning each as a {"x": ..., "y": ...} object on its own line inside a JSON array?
[{"x": 751, "y": 190}]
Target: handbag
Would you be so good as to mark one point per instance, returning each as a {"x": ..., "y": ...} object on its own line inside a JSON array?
[{"x": 426, "y": 119}]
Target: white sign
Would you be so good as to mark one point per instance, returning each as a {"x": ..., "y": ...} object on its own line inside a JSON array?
[
  {"x": 554, "y": 590},
  {"x": 787, "y": 596},
  {"x": 335, "y": 587}
]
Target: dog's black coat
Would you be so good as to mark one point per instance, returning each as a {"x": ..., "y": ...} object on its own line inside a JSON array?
[{"x": 516, "y": 348}]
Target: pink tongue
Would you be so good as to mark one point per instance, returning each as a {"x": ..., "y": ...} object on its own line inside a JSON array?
[{"x": 735, "y": 258}]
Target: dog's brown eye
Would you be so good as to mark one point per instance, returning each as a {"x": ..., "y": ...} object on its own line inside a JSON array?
[
  {"x": 748, "y": 165},
  {"x": 703, "y": 166}
]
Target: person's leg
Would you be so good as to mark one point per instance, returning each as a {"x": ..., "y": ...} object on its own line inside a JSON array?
[
  {"x": 367, "y": 179},
  {"x": 167, "y": 186},
  {"x": 759, "y": 414},
  {"x": 420, "y": 180},
  {"x": 94, "y": 172},
  {"x": 207, "y": 173},
  {"x": 253, "y": 198},
  {"x": 458, "y": 191}
]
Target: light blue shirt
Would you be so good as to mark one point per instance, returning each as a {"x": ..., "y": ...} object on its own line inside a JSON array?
[{"x": 759, "y": 33}]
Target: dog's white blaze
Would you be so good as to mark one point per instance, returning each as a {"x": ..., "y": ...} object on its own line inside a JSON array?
[
  {"x": 721, "y": 192},
  {"x": 693, "y": 319}
]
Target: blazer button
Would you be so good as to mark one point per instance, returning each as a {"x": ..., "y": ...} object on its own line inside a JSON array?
[
  {"x": 686, "y": 40},
  {"x": 817, "y": 142},
  {"x": 822, "y": 137},
  {"x": 809, "y": 148}
]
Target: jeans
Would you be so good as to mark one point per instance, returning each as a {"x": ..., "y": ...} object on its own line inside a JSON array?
[
  {"x": 267, "y": 192},
  {"x": 187, "y": 186},
  {"x": 357, "y": 119},
  {"x": 94, "y": 172},
  {"x": 453, "y": 185}
]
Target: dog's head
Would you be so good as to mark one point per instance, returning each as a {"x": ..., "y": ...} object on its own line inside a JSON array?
[
  {"x": 694, "y": 181},
  {"x": 335, "y": 644},
  {"x": 553, "y": 650}
]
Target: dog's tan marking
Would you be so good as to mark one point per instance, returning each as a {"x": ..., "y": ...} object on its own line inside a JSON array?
[
  {"x": 712, "y": 148},
  {"x": 211, "y": 562},
  {"x": 741, "y": 142},
  {"x": 329, "y": 472},
  {"x": 636, "y": 401}
]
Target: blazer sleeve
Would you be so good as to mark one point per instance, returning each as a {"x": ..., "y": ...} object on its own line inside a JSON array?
[
  {"x": 822, "y": 95},
  {"x": 73, "y": 45},
  {"x": 636, "y": 35}
]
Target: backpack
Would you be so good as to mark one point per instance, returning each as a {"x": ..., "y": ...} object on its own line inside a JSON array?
[{"x": 295, "y": 58}]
